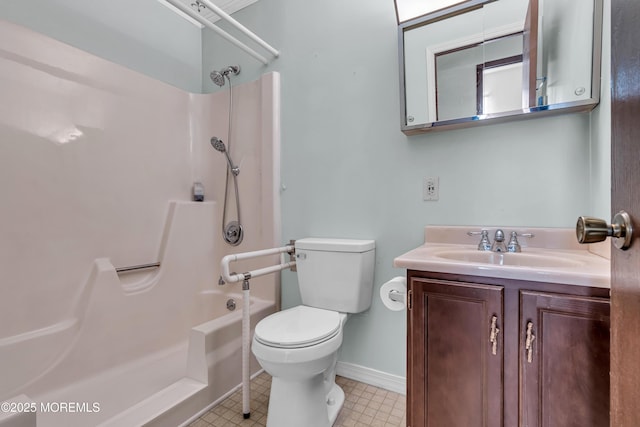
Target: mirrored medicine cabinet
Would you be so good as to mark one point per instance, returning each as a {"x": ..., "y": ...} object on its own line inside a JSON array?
[{"x": 488, "y": 61}]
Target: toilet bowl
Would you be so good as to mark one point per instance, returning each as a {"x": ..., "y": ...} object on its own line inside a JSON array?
[{"x": 299, "y": 346}]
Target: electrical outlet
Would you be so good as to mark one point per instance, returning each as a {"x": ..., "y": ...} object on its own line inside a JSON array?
[{"x": 430, "y": 188}]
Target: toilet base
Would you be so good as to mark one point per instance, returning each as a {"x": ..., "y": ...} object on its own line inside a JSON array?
[
  {"x": 335, "y": 400},
  {"x": 303, "y": 403}
]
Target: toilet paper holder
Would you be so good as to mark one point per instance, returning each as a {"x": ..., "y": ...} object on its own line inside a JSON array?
[{"x": 395, "y": 295}]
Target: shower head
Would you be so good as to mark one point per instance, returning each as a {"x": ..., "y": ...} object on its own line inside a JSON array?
[
  {"x": 219, "y": 146},
  {"x": 218, "y": 76}
]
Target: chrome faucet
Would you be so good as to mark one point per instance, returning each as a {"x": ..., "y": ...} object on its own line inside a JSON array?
[{"x": 498, "y": 242}]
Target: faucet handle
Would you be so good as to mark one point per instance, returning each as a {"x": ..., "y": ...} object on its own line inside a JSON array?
[
  {"x": 485, "y": 244},
  {"x": 514, "y": 245}
]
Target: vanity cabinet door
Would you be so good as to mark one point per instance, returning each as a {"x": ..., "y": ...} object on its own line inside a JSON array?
[
  {"x": 564, "y": 360},
  {"x": 456, "y": 359}
]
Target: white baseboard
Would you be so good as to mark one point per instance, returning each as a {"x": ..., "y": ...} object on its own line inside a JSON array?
[{"x": 372, "y": 377}]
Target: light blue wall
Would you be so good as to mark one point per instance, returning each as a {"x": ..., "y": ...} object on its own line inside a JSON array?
[
  {"x": 140, "y": 34},
  {"x": 350, "y": 172},
  {"x": 347, "y": 168}
]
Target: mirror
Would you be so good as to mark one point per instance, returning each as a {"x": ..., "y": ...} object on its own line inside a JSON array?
[{"x": 486, "y": 61}]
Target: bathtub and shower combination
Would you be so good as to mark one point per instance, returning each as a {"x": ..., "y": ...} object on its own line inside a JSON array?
[{"x": 97, "y": 167}]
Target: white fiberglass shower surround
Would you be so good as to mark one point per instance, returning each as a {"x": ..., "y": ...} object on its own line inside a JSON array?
[{"x": 97, "y": 165}]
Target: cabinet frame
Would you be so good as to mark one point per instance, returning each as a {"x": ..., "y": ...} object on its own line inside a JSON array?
[{"x": 510, "y": 331}]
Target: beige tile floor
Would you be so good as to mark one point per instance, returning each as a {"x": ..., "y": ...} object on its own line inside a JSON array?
[{"x": 364, "y": 406}]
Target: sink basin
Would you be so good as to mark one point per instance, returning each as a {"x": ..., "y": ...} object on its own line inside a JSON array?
[
  {"x": 552, "y": 256},
  {"x": 520, "y": 259}
]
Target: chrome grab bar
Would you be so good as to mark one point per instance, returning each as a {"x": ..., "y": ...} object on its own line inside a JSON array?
[{"x": 137, "y": 267}]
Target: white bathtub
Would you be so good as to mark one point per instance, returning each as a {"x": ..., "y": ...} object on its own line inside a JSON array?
[
  {"x": 165, "y": 387},
  {"x": 155, "y": 345}
]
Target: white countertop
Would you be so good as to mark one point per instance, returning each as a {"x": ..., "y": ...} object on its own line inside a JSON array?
[{"x": 553, "y": 256}]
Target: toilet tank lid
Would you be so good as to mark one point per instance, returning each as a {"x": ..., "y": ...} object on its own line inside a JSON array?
[{"x": 335, "y": 245}]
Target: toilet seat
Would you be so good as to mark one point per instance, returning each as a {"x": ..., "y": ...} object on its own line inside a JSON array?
[{"x": 298, "y": 327}]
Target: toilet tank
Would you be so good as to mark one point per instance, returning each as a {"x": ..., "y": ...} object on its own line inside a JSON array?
[{"x": 336, "y": 274}]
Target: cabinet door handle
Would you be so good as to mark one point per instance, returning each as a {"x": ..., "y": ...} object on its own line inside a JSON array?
[
  {"x": 528, "y": 343},
  {"x": 493, "y": 334}
]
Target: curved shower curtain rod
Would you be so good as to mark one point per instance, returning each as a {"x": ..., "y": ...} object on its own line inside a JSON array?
[{"x": 183, "y": 9}]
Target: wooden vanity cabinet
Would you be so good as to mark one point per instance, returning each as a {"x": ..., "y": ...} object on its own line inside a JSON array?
[
  {"x": 452, "y": 371},
  {"x": 564, "y": 373},
  {"x": 470, "y": 361}
]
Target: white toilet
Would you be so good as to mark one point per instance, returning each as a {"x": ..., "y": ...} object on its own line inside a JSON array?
[{"x": 299, "y": 346}]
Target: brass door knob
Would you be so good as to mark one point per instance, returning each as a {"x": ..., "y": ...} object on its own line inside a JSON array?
[{"x": 591, "y": 230}]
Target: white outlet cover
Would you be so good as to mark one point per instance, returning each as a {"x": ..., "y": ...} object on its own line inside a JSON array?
[{"x": 431, "y": 188}]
